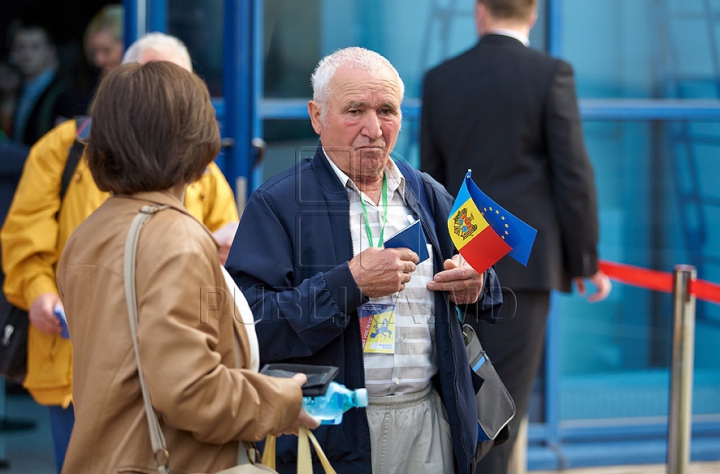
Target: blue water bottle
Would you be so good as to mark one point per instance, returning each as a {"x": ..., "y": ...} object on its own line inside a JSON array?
[{"x": 338, "y": 399}]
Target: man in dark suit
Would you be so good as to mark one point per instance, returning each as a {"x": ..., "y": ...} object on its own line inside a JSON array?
[{"x": 510, "y": 113}]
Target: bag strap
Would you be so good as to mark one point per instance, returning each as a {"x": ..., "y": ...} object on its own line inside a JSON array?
[
  {"x": 268, "y": 455},
  {"x": 304, "y": 459},
  {"x": 157, "y": 439},
  {"x": 306, "y": 433},
  {"x": 76, "y": 151}
]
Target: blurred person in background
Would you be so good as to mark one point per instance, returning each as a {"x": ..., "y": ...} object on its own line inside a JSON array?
[
  {"x": 45, "y": 97},
  {"x": 103, "y": 39},
  {"x": 10, "y": 84},
  {"x": 12, "y": 158},
  {"x": 40, "y": 222},
  {"x": 12, "y": 155}
]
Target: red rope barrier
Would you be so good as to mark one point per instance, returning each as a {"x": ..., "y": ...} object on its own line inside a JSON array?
[
  {"x": 658, "y": 281},
  {"x": 705, "y": 290}
]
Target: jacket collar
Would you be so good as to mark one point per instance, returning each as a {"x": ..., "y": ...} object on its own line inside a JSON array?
[{"x": 329, "y": 180}]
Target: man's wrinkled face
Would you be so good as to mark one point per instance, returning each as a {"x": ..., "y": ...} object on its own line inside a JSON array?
[
  {"x": 32, "y": 52},
  {"x": 362, "y": 121}
]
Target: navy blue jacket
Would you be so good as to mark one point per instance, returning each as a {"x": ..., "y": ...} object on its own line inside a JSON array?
[{"x": 290, "y": 257}]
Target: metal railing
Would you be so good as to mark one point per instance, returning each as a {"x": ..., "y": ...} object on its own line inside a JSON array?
[{"x": 681, "y": 370}]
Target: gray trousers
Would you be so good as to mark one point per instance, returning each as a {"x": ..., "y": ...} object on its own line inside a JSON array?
[{"x": 410, "y": 434}]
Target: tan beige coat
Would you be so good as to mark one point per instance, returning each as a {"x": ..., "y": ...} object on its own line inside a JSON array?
[{"x": 186, "y": 346}]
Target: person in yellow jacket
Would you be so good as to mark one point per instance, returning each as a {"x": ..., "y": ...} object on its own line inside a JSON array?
[{"x": 39, "y": 223}]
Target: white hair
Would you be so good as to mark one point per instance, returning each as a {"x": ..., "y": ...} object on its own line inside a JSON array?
[
  {"x": 159, "y": 43},
  {"x": 354, "y": 57}
]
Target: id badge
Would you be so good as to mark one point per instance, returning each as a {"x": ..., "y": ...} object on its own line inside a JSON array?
[{"x": 377, "y": 328}]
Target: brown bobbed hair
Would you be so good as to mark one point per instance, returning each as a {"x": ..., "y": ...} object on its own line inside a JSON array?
[{"x": 153, "y": 128}]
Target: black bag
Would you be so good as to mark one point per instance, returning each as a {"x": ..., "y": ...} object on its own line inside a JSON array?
[
  {"x": 13, "y": 343},
  {"x": 495, "y": 405}
]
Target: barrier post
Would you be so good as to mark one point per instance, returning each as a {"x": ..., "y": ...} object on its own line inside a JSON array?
[{"x": 681, "y": 375}]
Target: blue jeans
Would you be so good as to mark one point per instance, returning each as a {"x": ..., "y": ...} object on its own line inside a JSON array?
[{"x": 61, "y": 422}]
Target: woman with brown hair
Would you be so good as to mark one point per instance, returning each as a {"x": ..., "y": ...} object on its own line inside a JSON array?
[{"x": 154, "y": 132}]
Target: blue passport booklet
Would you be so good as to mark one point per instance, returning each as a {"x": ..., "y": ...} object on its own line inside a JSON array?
[
  {"x": 60, "y": 314},
  {"x": 411, "y": 237}
]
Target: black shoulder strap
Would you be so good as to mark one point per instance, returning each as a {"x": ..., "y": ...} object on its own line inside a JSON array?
[{"x": 76, "y": 152}]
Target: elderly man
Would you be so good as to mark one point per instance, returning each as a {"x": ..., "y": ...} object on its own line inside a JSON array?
[
  {"x": 39, "y": 223},
  {"x": 309, "y": 257}
]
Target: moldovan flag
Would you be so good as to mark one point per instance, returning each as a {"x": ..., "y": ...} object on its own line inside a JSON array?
[{"x": 484, "y": 232}]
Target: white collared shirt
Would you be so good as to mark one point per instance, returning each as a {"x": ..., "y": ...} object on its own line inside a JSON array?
[{"x": 414, "y": 362}]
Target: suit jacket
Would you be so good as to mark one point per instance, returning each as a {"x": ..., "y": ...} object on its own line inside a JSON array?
[
  {"x": 205, "y": 403},
  {"x": 510, "y": 114}
]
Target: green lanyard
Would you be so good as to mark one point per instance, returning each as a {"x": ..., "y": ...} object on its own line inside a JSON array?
[{"x": 381, "y": 240}]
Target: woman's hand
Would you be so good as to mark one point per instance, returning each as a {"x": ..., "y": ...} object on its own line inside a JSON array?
[{"x": 304, "y": 418}]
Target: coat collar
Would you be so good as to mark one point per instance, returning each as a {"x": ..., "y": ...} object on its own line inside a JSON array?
[{"x": 325, "y": 173}]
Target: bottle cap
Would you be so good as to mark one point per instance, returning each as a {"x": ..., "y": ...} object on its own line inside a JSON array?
[{"x": 362, "y": 397}]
